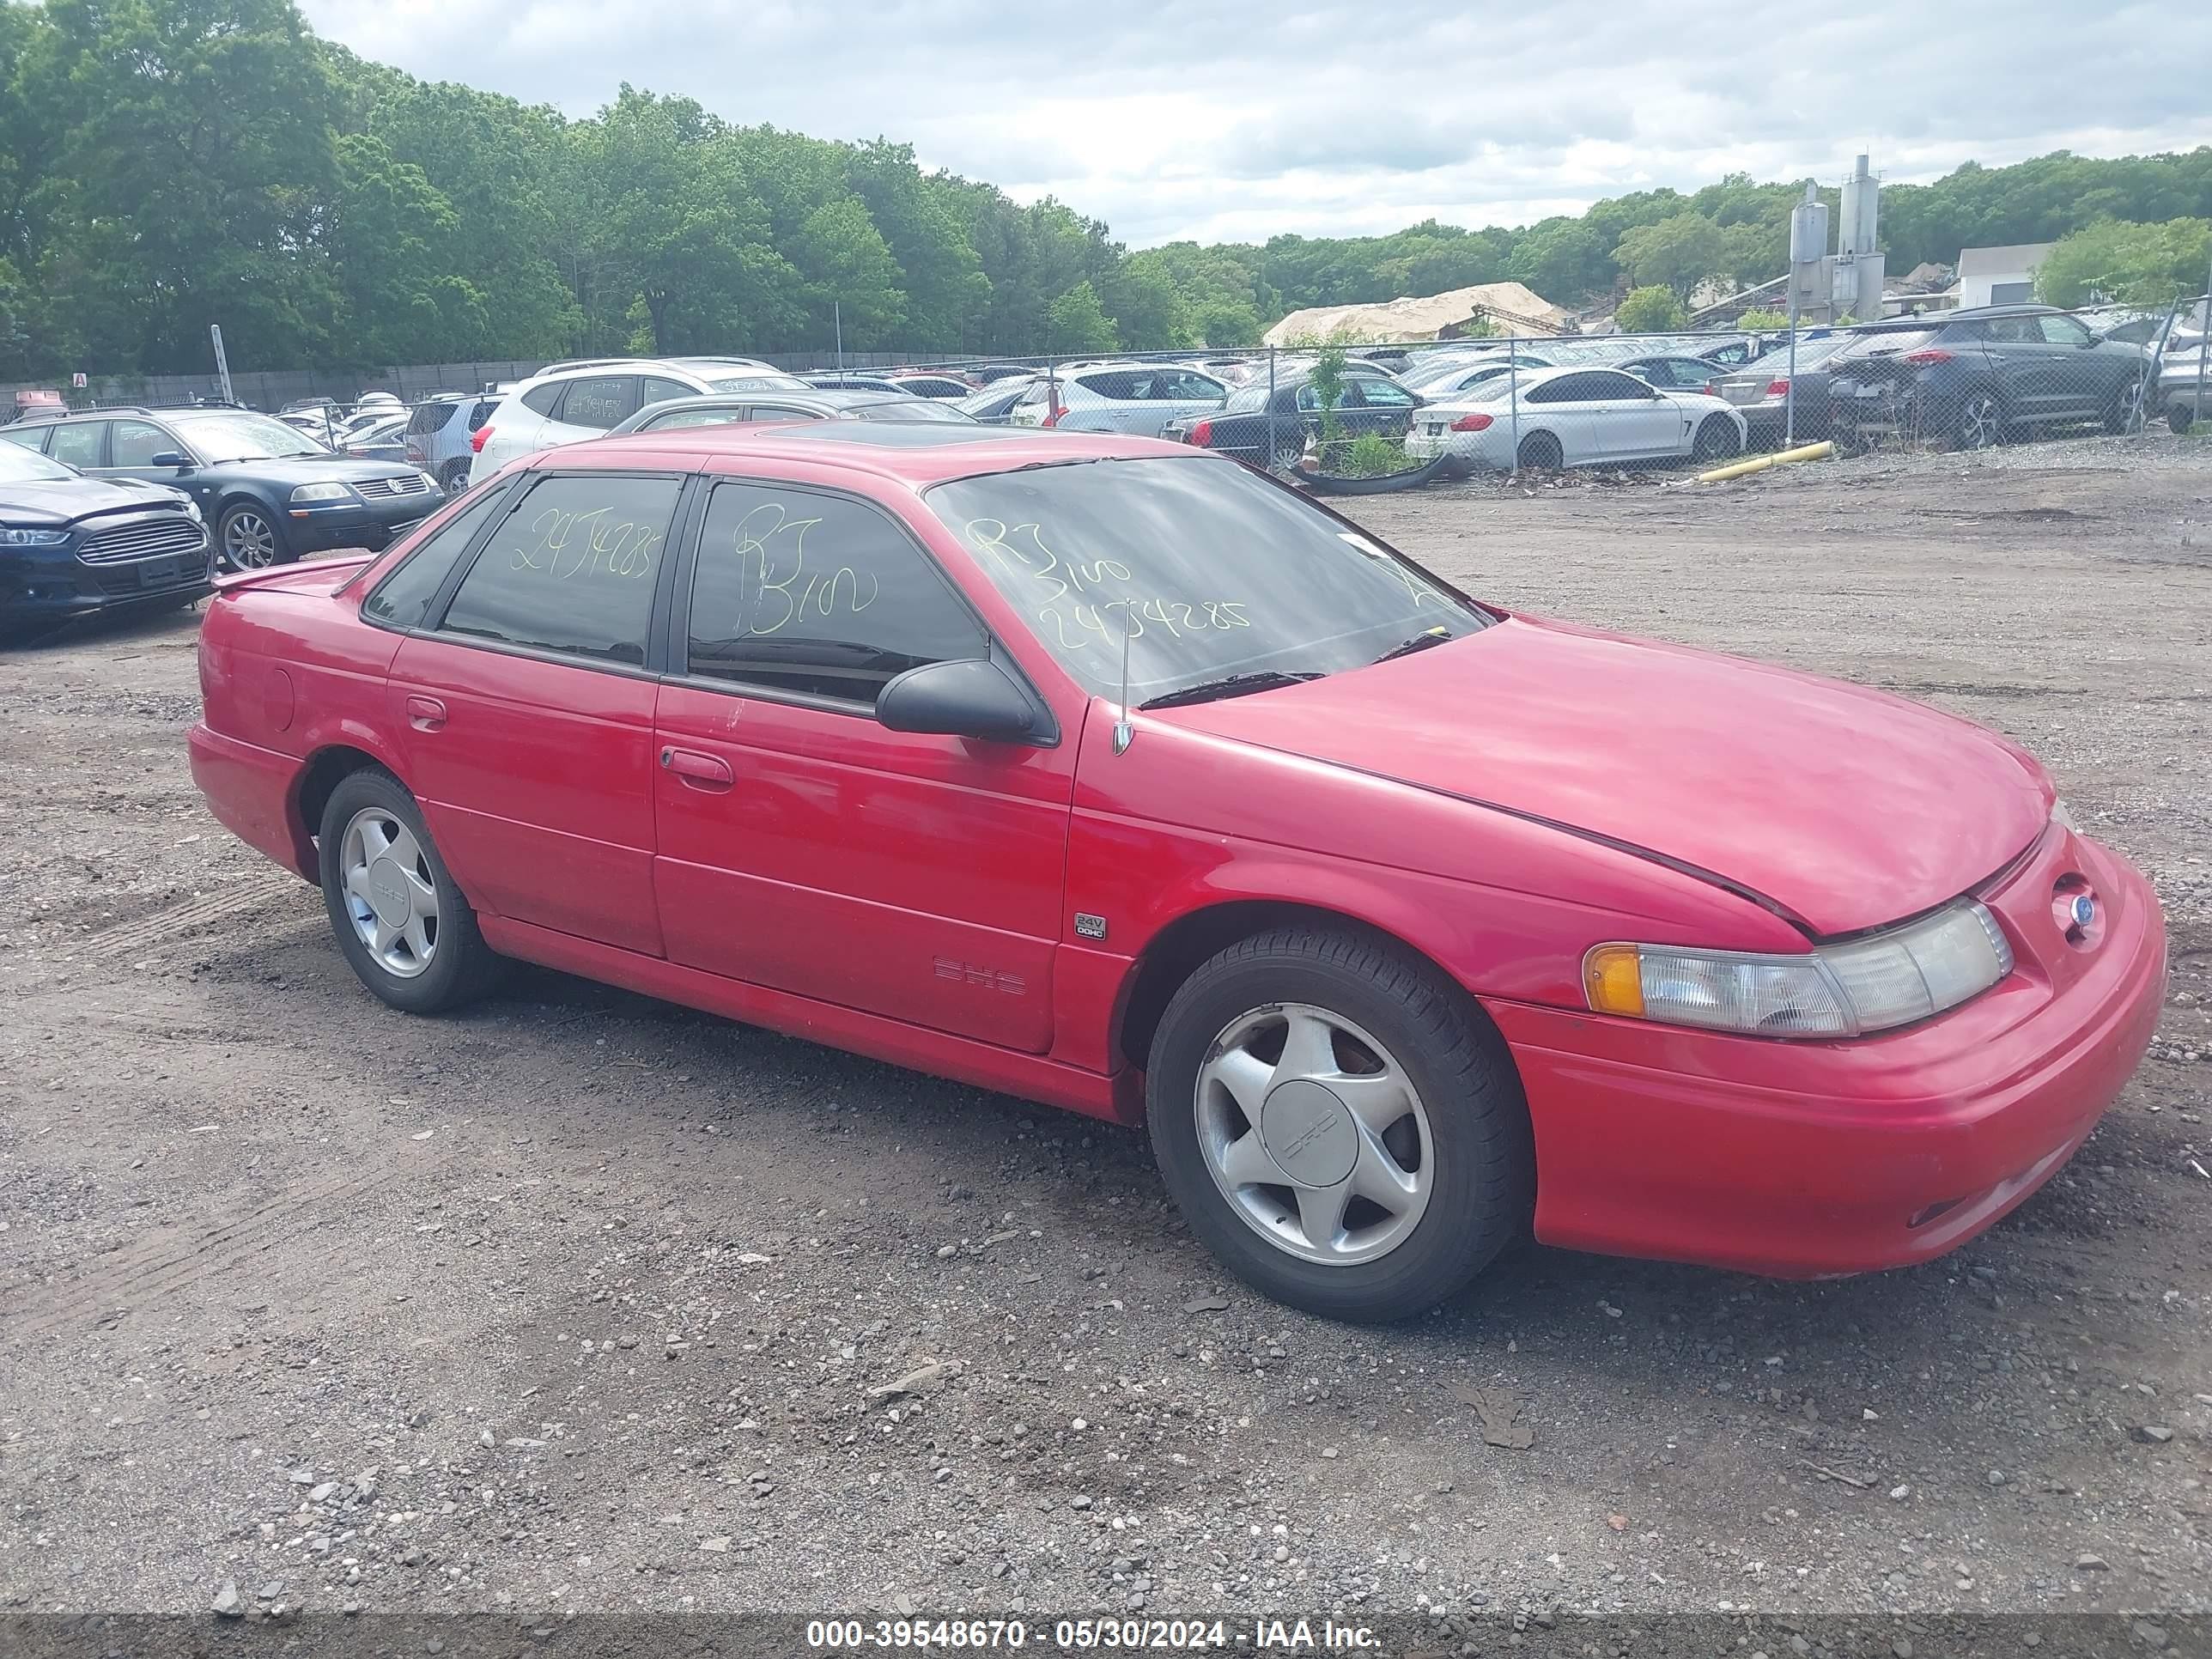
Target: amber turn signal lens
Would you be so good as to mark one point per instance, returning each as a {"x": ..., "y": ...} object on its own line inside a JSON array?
[{"x": 1613, "y": 981}]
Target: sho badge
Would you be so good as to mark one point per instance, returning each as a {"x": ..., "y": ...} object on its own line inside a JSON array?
[{"x": 1089, "y": 926}]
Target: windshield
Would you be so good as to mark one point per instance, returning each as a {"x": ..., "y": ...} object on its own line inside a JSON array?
[
  {"x": 1219, "y": 572},
  {"x": 761, "y": 383},
  {"x": 224, "y": 436},
  {"x": 913, "y": 408},
  {"x": 1246, "y": 398},
  {"x": 22, "y": 465}
]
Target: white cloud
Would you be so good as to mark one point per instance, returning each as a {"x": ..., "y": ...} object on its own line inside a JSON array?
[{"x": 1169, "y": 119}]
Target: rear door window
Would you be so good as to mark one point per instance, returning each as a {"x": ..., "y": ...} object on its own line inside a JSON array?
[
  {"x": 403, "y": 599},
  {"x": 658, "y": 391},
  {"x": 136, "y": 443},
  {"x": 572, "y": 569}
]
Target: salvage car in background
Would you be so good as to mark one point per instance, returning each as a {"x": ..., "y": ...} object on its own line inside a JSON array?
[
  {"x": 1761, "y": 390},
  {"x": 1405, "y": 924},
  {"x": 270, "y": 493},
  {"x": 1574, "y": 417},
  {"x": 1139, "y": 398},
  {"x": 569, "y": 403},
  {"x": 72, "y": 546},
  {"x": 1273, "y": 430},
  {"x": 1966, "y": 379},
  {"x": 438, "y": 434},
  {"x": 832, "y": 404}
]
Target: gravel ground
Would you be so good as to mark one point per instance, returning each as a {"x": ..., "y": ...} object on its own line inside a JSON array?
[{"x": 585, "y": 1303}]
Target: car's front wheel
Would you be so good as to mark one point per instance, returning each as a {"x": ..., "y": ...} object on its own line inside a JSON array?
[
  {"x": 404, "y": 927},
  {"x": 2179, "y": 417},
  {"x": 1340, "y": 1124},
  {"x": 2126, "y": 412},
  {"x": 1979, "y": 422},
  {"x": 248, "y": 537}
]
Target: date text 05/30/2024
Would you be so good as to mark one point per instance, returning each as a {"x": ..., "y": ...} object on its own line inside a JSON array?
[{"x": 1270, "y": 1635}]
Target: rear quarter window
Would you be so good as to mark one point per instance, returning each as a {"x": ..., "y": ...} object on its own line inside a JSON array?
[
  {"x": 403, "y": 599},
  {"x": 543, "y": 399}
]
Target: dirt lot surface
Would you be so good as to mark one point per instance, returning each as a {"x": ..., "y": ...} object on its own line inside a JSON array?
[{"x": 584, "y": 1301}]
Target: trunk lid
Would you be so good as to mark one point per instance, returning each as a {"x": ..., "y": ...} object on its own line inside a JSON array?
[{"x": 1846, "y": 808}]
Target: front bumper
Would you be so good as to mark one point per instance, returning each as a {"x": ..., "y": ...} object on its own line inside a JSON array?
[
  {"x": 374, "y": 524},
  {"x": 1808, "y": 1159},
  {"x": 46, "y": 587}
]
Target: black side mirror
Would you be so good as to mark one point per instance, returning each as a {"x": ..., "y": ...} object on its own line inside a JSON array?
[
  {"x": 972, "y": 699},
  {"x": 171, "y": 458}
]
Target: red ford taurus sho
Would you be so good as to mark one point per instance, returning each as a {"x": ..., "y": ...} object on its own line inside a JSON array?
[{"x": 1113, "y": 775}]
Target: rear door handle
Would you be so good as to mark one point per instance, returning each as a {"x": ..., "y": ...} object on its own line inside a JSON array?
[
  {"x": 425, "y": 714},
  {"x": 698, "y": 771}
]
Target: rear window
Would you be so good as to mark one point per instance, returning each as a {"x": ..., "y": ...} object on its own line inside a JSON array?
[
  {"x": 1887, "y": 343},
  {"x": 1244, "y": 399},
  {"x": 428, "y": 417},
  {"x": 482, "y": 412}
]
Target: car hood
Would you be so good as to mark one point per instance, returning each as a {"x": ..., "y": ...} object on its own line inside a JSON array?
[
  {"x": 312, "y": 468},
  {"x": 1839, "y": 807},
  {"x": 64, "y": 501}
]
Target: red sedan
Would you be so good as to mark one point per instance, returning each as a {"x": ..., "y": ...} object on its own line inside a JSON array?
[{"x": 1117, "y": 776}]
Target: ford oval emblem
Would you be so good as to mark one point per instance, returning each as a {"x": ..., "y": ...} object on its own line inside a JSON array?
[{"x": 2083, "y": 910}]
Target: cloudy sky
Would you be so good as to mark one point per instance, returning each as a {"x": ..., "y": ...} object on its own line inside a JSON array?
[{"x": 1235, "y": 122}]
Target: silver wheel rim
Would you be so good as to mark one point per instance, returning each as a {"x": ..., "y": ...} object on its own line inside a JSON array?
[
  {"x": 248, "y": 542},
  {"x": 391, "y": 896},
  {"x": 1979, "y": 430},
  {"x": 457, "y": 481},
  {"x": 2134, "y": 413},
  {"x": 1315, "y": 1134}
]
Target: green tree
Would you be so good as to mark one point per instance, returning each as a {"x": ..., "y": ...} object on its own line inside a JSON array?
[
  {"x": 1563, "y": 260},
  {"x": 1677, "y": 253},
  {"x": 847, "y": 263},
  {"x": 1149, "y": 311},
  {"x": 1650, "y": 310},
  {"x": 391, "y": 237},
  {"x": 2147, "y": 265},
  {"x": 1758, "y": 321},
  {"x": 947, "y": 294},
  {"x": 1076, "y": 322}
]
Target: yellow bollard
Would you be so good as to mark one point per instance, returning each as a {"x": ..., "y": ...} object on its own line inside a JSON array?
[{"x": 1819, "y": 452}]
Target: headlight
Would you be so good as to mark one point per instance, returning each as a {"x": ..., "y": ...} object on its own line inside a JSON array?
[
  {"x": 1861, "y": 986},
  {"x": 191, "y": 509},
  {"x": 321, "y": 492},
  {"x": 32, "y": 537},
  {"x": 428, "y": 482}
]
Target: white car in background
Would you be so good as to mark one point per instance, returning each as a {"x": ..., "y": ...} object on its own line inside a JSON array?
[
  {"x": 1135, "y": 398},
  {"x": 1573, "y": 417},
  {"x": 569, "y": 403}
]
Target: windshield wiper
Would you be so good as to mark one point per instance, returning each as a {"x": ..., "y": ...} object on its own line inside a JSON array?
[
  {"x": 1229, "y": 685},
  {"x": 1421, "y": 641}
]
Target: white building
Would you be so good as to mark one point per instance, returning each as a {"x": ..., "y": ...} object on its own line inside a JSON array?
[{"x": 2000, "y": 276}]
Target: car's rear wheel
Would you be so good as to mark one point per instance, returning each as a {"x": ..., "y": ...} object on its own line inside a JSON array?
[
  {"x": 1290, "y": 449},
  {"x": 1539, "y": 452},
  {"x": 1979, "y": 423},
  {"x": 248, "y": 539},
  {"x": 1340, "y": 1126},
  {"x": 1717, "y": 439},
  {"x": 2125, "y": 413},
  {"x": 454, "y": 477},
  {"x": 404, "y": 927}
]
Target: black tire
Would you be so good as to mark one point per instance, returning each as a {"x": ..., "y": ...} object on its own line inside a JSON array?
[
  {"x": 1539, "y": 452},
  {"x": 462, "y": 967},
  {"x": 454, "y": 477},
  {"x": 1482, "y": 1180},
  {"x": 250, "y": 537},
  {"x": 1290, "y": 449},
  {"x": 1717, "y": 439},
  {"x": 2179, "y": 417}
]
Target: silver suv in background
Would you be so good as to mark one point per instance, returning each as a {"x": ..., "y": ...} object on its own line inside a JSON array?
[
  {"x": 438, "y": 432},
  {"x": 1136, "y": 398},
  {"x": 571, "y": 402}
]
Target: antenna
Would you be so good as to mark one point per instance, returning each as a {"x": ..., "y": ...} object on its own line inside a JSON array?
[{"x": 1124, "y": 734}]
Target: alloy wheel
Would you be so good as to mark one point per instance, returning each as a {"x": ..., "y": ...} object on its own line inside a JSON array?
[
  {"x": 1979, "y": 427},
  {"x": 249, "y": 542},
  {"x": 1314, "y": 1133},
  {"x": 391, "y": 896}
]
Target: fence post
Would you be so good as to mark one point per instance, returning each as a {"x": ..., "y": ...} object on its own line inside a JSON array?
[
  {"x": 2204, "y": 342},
  {"x": 1270, "y": 463},
  {"x": 1513, "y": 396}
]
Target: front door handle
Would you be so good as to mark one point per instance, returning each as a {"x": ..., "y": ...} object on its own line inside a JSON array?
[
  {"x": 698, "y": 771},
  {"x": 425, "y": 713}
]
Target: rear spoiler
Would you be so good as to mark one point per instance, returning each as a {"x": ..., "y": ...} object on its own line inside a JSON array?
[{"x": 340, "y": 571}]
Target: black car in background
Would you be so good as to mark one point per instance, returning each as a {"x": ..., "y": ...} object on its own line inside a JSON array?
[
  {"x": 269, "y": 493},
  {"x": 72, "y": 546},
  {"x": 1254, "y": 428},
  {"x": 1966, "y": 379}
]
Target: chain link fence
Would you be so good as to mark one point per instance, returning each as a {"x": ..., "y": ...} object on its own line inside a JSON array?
[{"x": 1506, "y": 402}]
